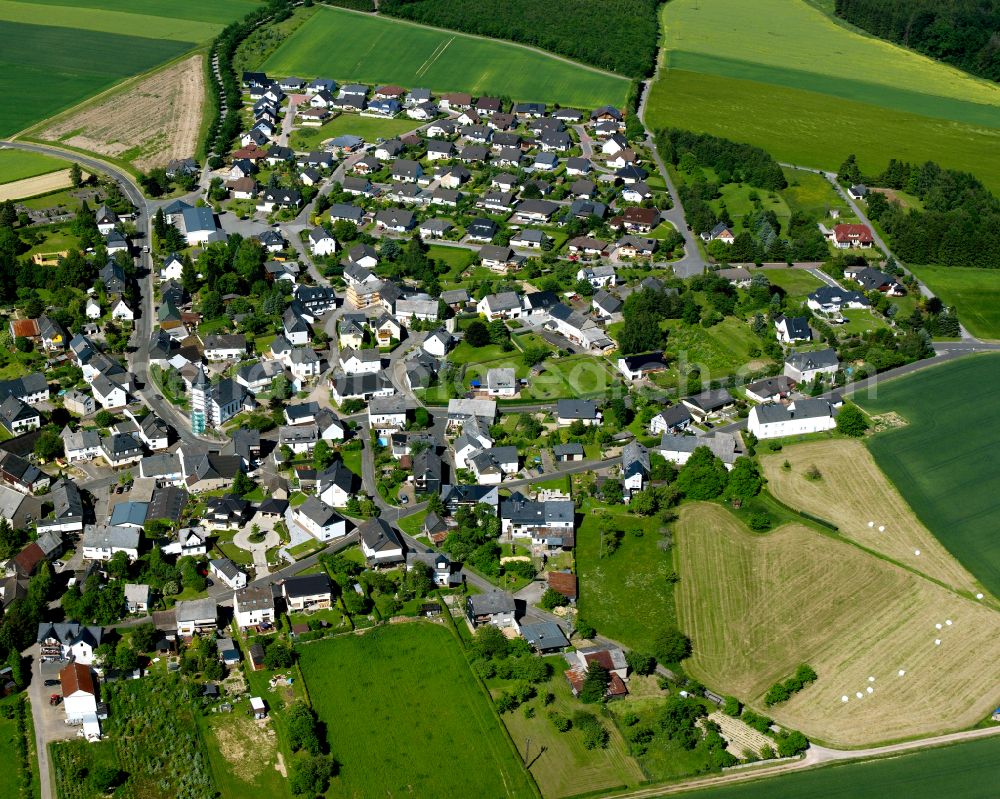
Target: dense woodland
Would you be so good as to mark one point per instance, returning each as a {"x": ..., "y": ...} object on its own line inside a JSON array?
[
  {"x": 617, "y": 35},
  {"x": 958, "y": 32},
  {"x": 960, "y": 222}
]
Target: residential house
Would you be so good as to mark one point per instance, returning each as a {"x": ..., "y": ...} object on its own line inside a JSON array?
[
  {"x": 769, "y": 389},
  {"x": 69, "y": 640},
  {"x": 832, "y": 300},
  {"x": 307, "y": 592},
  {"x": 846, "y": 237},
  {"x": 18, "y": 417},
  {"x": 549, "y": 524},
  {"x": 678, "y": 448},
  {"x": 797, "y": 418},
  {"x": 805, "y": 367},
  {"x": 505, "y": 305},
  {"x": 635, "y": 467},
  {"x": 225, "y": 570},
  {"x": 253, "y": 607},
  {"x": 545, "y": 637},
  {"x": 635, "y": 367},
  {"x": 569, "y": 411},
  {"x": 380, "y": 543},
  {"x": 674, "y": 419},
  {"x": 137, "y": 598},
  {"x": 196, "y": 616},
  {"x": 319, "y": 520},
  {"x": 494, "y": 607},
  {"x": 500, "y": 382},
  {"x": 101, "y": 543},
  {"x": 79, "y": 693},
  {"x": 708, "y": 403},
  {"x": 791, "y": 329}
]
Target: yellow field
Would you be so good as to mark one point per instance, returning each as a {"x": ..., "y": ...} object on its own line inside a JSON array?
[
  {"x": 851, "y": 492},
  {"x": 756, "y": 606}
]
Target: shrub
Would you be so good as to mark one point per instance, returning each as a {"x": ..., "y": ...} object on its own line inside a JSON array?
[
  {"x": 671, "y": 646},
  {"x": 559, "y": 721}
]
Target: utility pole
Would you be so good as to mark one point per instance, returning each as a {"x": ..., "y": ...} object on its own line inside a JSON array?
[{"x": 527, "y": 745}]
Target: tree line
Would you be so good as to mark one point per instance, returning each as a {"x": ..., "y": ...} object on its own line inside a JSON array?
[
  {"x": 959, "y": 32},
  {"x": 616, "y": 35},
  {"x": 731, "y": 161},
  {"x": 959, "y": 224}
]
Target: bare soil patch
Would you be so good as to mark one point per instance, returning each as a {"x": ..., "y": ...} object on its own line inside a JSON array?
[
  {"x": 150, "y": 124},
  {"x": 248, "y": 747}
]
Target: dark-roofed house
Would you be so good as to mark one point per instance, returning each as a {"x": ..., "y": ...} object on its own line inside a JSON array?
[
  {"x": 797, "y": 418},
  {"x": 563, "y": 583},
  {"x": 769, "y": 389},
  {"x": 570, "y": 410},
  {"x": 494, "y": 607},
  {"x": 635, "y": 466},
  {"x": 804, "y": 367},
  {"x": 790, "y": 329},
  {"x": 568, "y": 453},
  {"x": 253, "y": 607},
  {"x": 380, "y": 543},
  {"x": 675, "y": 418},
  {"x": 306, "y": 592},
  {"x": 708, "y": 402},
  {"x": 549, "y": 524},
  {"x": 69, "y": 640},
  {"x": 544, "y": 637},
  {"x": 637, "y": 366}
]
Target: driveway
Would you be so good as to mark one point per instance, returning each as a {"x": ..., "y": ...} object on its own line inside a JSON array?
[
  {"x": 50, "y": 721},
  {"x": 258, "y": 550}
]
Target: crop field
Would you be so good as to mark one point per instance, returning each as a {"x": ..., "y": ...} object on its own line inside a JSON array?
[
  {"x": 810, "y": 91},
  {"x": 55, "y": 55},
  {"x": 625, "y": 595},
  {"x": 148, "y": 123},
  {"x": 756, "y": 606},
  {"x": 20, "y": 164},
  {"x": 942, "y": 461},
  {"x": 405, "y": 716},
  {"x": 974, "y": 292},
  {"x": 346, "y": 46},
  {"x": 958, "y": 772},
  {"x": 851, "y": 492},
  {"x": 797, "y": 283}
]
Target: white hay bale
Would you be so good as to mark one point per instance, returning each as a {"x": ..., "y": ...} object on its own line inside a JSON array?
[
  {"x": 902, "y": 672},
  {"x": 859, "y": 695},
  {"x": 844, "y": 698},
  {"x": 871, "y": 524},
  {"x": 916, "y": 552},
  {"x": 937, "y": 642},
  {"x": 870, "y": 689},
  {"x": 938, "y": 625},
  {"x": 948, "y": 622},
  {"x": 881, "y": 528}
]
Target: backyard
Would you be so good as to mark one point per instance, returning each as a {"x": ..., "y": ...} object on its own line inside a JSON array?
[{"x": 420, "y": 730}]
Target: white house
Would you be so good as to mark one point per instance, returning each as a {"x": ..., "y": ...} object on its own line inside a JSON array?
[
  {"x": 120, "y": 312},
  {"x": 804, "y": 367},
  {"x": 79, "y": 692},
  {"x": 100, "y": 543},
  {"x": 320, "y": 520},
  {"x": 253, "y": 607},
  {"x": 380, "y": 543},
  {"x": 790, "y": 329},
  {"x": 387, "y": 413},
  {"x": 495, "y": 607},
  {"x": 321, "y": 243},
  {"x": 635, "y": 467},
  {"x": 569, "y": 411},
  {"x": 799, "y": 417},
  {"x": 196, "y": 616},
  {"x": 501, "y": 382},
  {"x": 109, "y": 394},
  {"x": 438, "y": 343}
]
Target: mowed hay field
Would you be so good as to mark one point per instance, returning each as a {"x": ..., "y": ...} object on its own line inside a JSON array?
[
  {"x": 961, "y": 771},
  {"x": 347, "y": 46},
  {"x": 944, "y": 461},
  {"x": 810, "y": 91},
  {"x": 56, "y": 55},
  {"x": 405, "y": 717},
  {"x": 756, "y": 606},
  {"x": 974, "y": 292},
  {"x": 851, "y": 492}
]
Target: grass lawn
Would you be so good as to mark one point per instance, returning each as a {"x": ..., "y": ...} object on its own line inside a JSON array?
[
  {"x": 60, "y": 199},
  {"x": 413, "y": 524},
  {"x": 58, "y": 238},
  {"x": 736, "y": 198},
  {"x": 20, "y": 164},
  {"x": 860, "y": 320},
  {"x": 719, "y": 350},
  {"x": 573, "y": 376},
  {"x": 346, "y": 46},
  {"x": 419, "y": 731},
  {"x": 625, "y": 595},
  {"x": 564, "y": 766},
  {"x": 352, "y": 460},
  {"x": 812, "y": 195},
  {"x": 958, "y": 772},
  {"x": 458, "y": 258},
  {"x": 937, "y": 464},
  {"x": 10, "y": 786},
  {"x": 975, "y": 293},
  {"x": 756, "y": 606},
  {"x": 368, "y": 128},
  {"x": 797, "y": 283}
]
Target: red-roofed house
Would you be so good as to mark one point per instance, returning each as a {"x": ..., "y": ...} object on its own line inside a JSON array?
[
  {"x": 25, "y": 328},
  {"x": 616, "y": 685},
  {"x": 79, "y": 692},
  {"x": 564, "y": 583},
  {"x": 847, "y": 236}
]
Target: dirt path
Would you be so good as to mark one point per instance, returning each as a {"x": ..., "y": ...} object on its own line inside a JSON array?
[
  {"x": 150, "y": 123},
  {"x": 40, "y": 184}
]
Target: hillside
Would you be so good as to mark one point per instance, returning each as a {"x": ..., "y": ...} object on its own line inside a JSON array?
[
  {"x": 960, "y": 32},
  {"x": 618, "y": 35}
]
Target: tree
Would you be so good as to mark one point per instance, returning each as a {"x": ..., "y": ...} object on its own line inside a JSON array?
[
  {"x": 851, "y": 421},
  {"x": 679, "y": 718},
  {"x": 640, "y": 662},
  {"x": 49, "y": 445},
  {"x": 311, "y": 774},
  {"x": 477, "y": 334},
  {"x": 490, "y": 643},
  {"x": 323, "y": 456},
  {"x": 103, "y": 777},
  {"x": 703, "y": 477},
  {"x": 144, "y": 637},
  {"x": 242, "y": 485},
  {"x": 595, "y": 684},
  {"x": 76, "y": 175},
  {"x": 744, "y": 480},
  {"x": 126, "y": 660},
  {"x": 671, "y": 646},
  {"x": 117, "y": 565},
  {"x": 584, "y": 629},
  {"x": 552, "y": 599},
  {"x": 278, "y": 655},
  {"x": 301, "y": 729}
]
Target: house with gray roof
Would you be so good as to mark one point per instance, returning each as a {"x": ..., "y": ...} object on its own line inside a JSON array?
[
  {"x": 493, "y": 607},
  {"x": 101, "y": 543},
  {"x": 797, "y": 418},
  {"x": 805, "y": 367}
]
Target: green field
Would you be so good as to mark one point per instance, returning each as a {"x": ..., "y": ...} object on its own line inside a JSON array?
[
  {"x": 810, "y": 91},
  {"x": 625, "y": 595},
  {"x": 55, "y": 55},
  {"x": 811, "y": 194},
  {"x": 974, "y": 292},
  {"x": 937, "y": 461},
  {"x": 10, "y": 787},
  {"x": 797, "y": 283},
  {"x": 368, "y": 128},
  {"x": 957, "y": 772},
  {"x": 20, "y": 164},
  {"x": 405, "y": 716},
  {"x": 345, "y": 46}
]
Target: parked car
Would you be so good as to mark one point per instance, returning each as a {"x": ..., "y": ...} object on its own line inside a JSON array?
[{"x": 50, "y": 683}]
